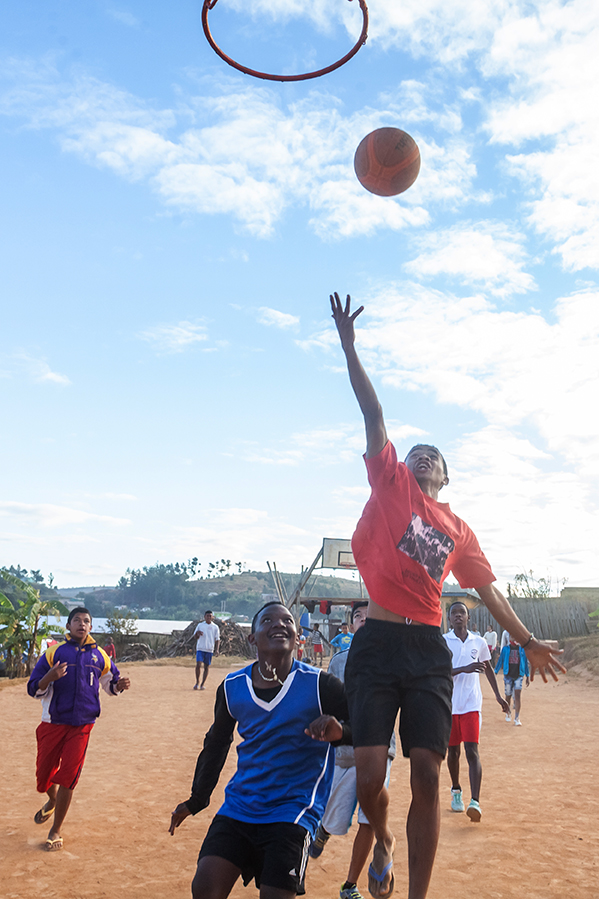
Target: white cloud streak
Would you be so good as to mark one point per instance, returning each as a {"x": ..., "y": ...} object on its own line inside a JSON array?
[
  {"x": 175, "y": 338},
  {"x": 277, "y": 319},
  {"x": 489, "y": 255}
]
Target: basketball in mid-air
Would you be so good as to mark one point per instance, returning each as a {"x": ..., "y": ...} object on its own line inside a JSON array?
[{"x": 387, "y": 161}]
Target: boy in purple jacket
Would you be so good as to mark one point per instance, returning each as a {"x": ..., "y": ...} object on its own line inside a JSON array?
[{"x": 67, "y": 679}]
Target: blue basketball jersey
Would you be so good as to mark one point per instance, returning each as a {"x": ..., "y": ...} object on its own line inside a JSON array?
[{"x": 282, "y": 775}]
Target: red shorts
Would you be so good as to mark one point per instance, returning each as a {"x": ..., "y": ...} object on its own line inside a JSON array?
[
  {"x": 61, "y": 752},
  {"x": 465, "y": 728},
  {"x": 317, "y": 647}
]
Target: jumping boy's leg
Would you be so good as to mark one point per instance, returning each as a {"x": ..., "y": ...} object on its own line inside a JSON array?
[
  {"x": 214, "y": 878},
  {"x": 371, "y": 773},
  {"x": 475, "y": 769},
  {"x": 423, "y": 819}
]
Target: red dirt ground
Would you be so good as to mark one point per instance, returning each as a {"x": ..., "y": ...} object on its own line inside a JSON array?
[{"x": 538, "y": 838}]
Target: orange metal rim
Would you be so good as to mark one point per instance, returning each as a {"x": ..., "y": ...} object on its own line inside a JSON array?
[{"x": 210, "y": 4}]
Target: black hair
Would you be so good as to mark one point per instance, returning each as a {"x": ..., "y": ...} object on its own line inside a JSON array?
[
  {"x": 358, "y": 605},
  {"x": 79, "y": 610},
  {"x": 429, "y": 446},
  {"x": 458, "y": 602},
  {"x": 208, "y": 612},
  {"x": 272, "y": 602}
]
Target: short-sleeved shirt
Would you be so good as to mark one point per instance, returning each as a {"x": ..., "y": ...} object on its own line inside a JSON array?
[
  {"x": 467, "y": 694},
  {"x": 406, "y": 543},
  {"x": 491, "y": 638},
  {"x": 210, "y": 634}
]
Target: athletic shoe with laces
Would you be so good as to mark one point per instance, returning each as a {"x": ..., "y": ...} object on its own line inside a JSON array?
[
  {"x": 517, "y": 722},
  {"x": 457, "y": 803},
  {"x": 508, "y": 716},
  {"x": 318, "y": 843},
  {"x": 473, "y": 811},
  {"x": 350, "y": 893}
]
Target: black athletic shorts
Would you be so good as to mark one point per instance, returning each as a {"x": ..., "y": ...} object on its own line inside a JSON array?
[
  {"x": 273, "y": 854},
  {"x": 399, "y": 666}
]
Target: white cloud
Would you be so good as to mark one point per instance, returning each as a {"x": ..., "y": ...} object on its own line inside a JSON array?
[
  {"x": 244, "y": 155},
  {"x": 36, "y": 370},
  {"x": 551, "y": 62},
  {"x": 267, "y": 316},
  {"x": 340, "y": 443},
  {"x": 48, "y": 515},
  {"x": 175, "y": 338},
  {"x": 487, "y": 254},
  {"x": 124, "y": 17}
]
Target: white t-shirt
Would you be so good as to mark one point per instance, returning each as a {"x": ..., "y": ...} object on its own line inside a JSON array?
[
  {"x": 467, "y": 694},
  {"x": 210, "y": 634},
  {"x": 491, "y": 638}
]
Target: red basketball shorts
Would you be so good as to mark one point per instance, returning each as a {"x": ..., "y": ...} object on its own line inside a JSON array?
[
  {"x": 61, "y": 752},
  {"x": 465, "y": 728}
]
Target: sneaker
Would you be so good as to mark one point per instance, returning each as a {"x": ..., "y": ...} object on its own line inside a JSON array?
[
  {"x": 350, "y": 893},
  {"x": 202, "y": 687},
  {"x": 517, "y": 722},
  {"x": 197, "y": 687},
  {"x": 318, "y": 843},
  {"x": 457, "y": 803},
  {"x": 473, "y": 811},
  {"x": 508, "y": 716}
]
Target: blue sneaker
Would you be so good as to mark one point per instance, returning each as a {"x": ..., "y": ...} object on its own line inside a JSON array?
[
  {"x": 318, "y": 843},
  {"x": 473, "y": 811},
  {"x": 457, "y": 803},
  {"x": 350, "y": 893}
]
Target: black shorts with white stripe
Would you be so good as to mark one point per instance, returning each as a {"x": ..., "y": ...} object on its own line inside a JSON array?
[{"x": 273, "y": 854}]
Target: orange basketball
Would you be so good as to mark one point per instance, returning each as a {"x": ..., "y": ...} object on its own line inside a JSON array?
[{"x": 387, "y": 161}]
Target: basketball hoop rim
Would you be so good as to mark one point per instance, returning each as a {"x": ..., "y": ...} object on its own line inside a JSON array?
[{"x": 210, "y": 4}]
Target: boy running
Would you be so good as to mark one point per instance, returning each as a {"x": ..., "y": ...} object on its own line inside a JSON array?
[
  {"x": 470, "y": 655},
  {"x": 405, "y": 545},
  {"x": 277, "y": 796},
  {"x": 67, "y": 679}
]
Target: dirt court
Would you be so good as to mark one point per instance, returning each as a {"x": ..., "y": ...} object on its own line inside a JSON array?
[{"x": 538, "y": 838}]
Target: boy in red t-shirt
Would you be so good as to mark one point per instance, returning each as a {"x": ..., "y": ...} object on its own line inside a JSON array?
[{"x": 405, "y": 545}]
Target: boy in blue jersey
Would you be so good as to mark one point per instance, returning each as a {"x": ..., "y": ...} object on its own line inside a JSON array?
[
  {"x": 342, "y": 640},
  {"x": 67, "y": 679},
  {"x": 278, "y": 794}
]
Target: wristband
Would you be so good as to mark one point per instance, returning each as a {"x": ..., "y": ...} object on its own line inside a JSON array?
[{"x": 532, "y": 636}]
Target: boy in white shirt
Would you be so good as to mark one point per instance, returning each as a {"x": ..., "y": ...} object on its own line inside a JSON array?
[
  {"x": 470, "y": 656},
  {"x": 208, "y": 634}
]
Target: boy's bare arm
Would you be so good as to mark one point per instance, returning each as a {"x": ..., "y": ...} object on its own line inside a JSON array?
[
  {"x": 493, "y": 682},
  {"x": 541, "y": 656},
  {"x": 376, "y": 433}
]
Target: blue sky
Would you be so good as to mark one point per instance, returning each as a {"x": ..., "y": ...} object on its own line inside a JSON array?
[{"x": 171, "y": 230}]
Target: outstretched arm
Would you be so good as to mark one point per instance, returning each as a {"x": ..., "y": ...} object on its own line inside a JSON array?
[
  {"x": 541, "y": 656},
  {"x": 376, "y": 434}
]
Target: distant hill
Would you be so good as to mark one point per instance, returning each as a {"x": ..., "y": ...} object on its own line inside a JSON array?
[{"x": 159, "y": 592}]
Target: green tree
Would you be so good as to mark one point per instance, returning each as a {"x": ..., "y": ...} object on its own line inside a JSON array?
[
  {"x": 21, "y": 627},
  {"x": 120, "y": 627}
]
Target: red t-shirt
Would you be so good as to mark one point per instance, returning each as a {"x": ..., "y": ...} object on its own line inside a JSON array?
[{"x": 406, "y": 543}]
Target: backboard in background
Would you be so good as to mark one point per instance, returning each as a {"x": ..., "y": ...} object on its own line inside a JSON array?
[{"x": 337, "y": 554}]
